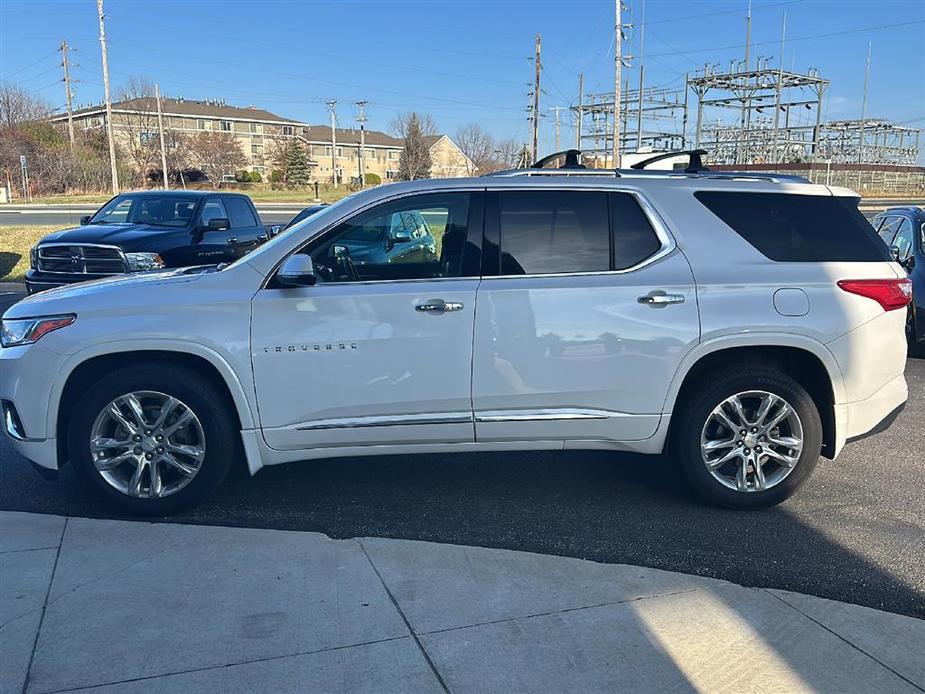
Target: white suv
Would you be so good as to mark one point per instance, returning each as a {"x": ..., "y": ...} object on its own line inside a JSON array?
[{"x": 745, "y": 323}]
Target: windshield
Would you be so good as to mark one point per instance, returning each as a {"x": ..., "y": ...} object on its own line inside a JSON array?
[{"x": 155, "y": 210}]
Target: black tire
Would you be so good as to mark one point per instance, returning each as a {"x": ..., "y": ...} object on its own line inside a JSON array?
[
  {"x": 706, "y": 394},
  {"x": 201, "y": 395}
]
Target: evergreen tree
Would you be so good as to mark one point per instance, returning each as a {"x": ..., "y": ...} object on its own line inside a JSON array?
[
  {"x": 297, "y": 171},
  {"x": 415, "y": 161}
]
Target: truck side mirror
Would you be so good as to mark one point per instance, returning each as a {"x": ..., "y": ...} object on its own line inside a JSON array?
[{"x": 218, "y": 224}]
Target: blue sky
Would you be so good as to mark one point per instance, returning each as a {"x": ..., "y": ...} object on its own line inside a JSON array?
[{"x": 459, "y": 61}]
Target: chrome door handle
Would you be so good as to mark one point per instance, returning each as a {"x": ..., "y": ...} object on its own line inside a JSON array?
[
  {"x": 232, "y": 240},
  {"x": 439, "y": 306},
  {"x": 658, "y": 299}
]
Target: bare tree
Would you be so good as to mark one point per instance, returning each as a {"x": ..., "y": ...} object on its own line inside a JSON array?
[
  {"x": 478, "y": 146},
  {"x": 215, "y": 154},
  {"x": 509, "y": 154},
  {"x": 140, "y": 125},
  {"x": 19, "y": 106},
  {"x": 415, "y": 161}
]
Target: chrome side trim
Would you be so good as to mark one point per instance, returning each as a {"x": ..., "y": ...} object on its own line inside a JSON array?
[
  {"x": 388, "y": 420},
  {"x": 540, "y": 415},
  {"x": 13, "y": 426}
]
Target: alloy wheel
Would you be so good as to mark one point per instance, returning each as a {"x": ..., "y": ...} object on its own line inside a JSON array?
[
  {"x": 147, "y": 444},
  {"x": 752, "y": 441}
]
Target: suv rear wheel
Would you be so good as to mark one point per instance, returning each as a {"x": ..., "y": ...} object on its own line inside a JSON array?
[
  {"x": 152, "y": 439},
  {"x": 749, "y": 437}
]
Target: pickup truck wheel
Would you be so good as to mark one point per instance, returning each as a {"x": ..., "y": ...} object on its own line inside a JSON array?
[
  {"x": 748, "y": 438},
  {"x": 152, "y": 439}
]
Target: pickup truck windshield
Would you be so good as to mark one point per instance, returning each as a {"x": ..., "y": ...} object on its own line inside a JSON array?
[{"x": 156, "y": 210}]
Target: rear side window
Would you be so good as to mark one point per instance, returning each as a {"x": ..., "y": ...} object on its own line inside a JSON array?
[
  {"x": 798, "y": 228},
  {"x": 634, "y": 240},
  {"x": 241, "y": 214},
  {"x": 551, "y": 232}
]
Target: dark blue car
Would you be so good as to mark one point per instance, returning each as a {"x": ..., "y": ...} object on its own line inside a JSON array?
[{"x": 903, "y": 229}]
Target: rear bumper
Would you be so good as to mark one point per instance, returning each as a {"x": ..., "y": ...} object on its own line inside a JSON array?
[{"x": 857, "y": 420}]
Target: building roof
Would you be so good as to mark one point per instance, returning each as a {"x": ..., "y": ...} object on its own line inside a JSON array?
[
  {"x": 349, "y": 136},
  {"x": 190, "y": 107}
]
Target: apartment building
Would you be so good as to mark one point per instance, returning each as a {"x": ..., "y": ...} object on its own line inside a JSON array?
[{"x": 257, "y": 130}]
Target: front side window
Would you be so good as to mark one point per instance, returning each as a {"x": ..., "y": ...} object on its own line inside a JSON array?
[
  {"x": 888, "y": 229},
  {"x": 213, "y": 209},
  {"x": 422, "y": 237},
  {"x": 154, "y": 210},
  {"x": 903, "y": 240},
  {"x": 551, "y": 232}
]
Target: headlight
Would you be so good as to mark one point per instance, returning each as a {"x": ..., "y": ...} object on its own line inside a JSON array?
[
  {"x": 25, "y": 331},
  {"x": 34, "y": 257},
  {"x": 143, "y": 261}
]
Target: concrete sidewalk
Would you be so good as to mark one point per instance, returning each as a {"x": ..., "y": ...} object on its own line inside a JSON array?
[{"x": 116, "y": 606}]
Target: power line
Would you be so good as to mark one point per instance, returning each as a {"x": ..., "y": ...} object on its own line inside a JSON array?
[
  {"x": 26, "y": 67},
  {"x": 722, "y": 12},
  {"x": 800, "y": 38}
]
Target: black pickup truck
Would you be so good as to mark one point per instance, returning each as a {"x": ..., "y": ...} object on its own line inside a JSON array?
[{"x": 146, "y": 231}]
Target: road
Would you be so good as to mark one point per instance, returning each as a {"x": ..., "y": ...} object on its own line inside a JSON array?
[
  {"x": 855, "y": 532},
  {"x": 270, "y": 213}
]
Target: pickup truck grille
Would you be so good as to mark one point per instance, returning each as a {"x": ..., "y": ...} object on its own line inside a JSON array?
[{"x": 81, "y": 259}]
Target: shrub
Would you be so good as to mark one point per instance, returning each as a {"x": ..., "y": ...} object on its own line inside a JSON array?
[
  {"x": 373, "y": 179},
  {"x": 255, "y": 177}
]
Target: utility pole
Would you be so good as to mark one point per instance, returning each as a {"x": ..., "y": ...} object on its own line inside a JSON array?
[
  {"x": 160, "y": 130},
  {"x": 332, "y": 105},
  {"x": 863, "y": 117},
  {"x": 361, "y": 119},
  {"x": 617, "y": 80},
  {"x": 536, "y": 99},
  {"x": 67, "y": 93},
  {"x": 581, "y": 96},
  {"x": 112, "y": 143},
  {"x": 642, "y": 68},
  {"x": 748, "y": 33},
  {"x": 556, "y": 109}
]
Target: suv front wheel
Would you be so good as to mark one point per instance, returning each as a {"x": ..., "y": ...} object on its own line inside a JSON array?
[
  {"x": 152, "y": 439},
  {"x": 748, "y": 437}
]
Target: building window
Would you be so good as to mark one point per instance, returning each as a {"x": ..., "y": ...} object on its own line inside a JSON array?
[
  {"x": 369, "y": 153},
  {"x": 256, "y": 148},
  {"x": 256, "y": 127},
  {"x": 394, "y": 154},
  {"x": 200, "y": 124},
  {"x": 227, "y": 126},
  {"x": 288, "y": 130}
]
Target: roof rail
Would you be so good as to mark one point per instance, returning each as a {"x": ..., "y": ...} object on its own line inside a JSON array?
[
  {"x": 572, "y": 159},
  {"x": 694, "y": 164}
]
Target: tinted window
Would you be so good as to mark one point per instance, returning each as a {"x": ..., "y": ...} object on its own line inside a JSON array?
[
  {"x": 798, "y": 228},
  {"x": 413, "y": 238},
  {"x": 240, "y": 213},
  {"x": 547, "y": 231},
  {"x": 634, "y": 240}
]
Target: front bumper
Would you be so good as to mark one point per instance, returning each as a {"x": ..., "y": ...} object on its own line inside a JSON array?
[
  {"x": 39, "y": 281},
  {"x": 27, "y": 374}
]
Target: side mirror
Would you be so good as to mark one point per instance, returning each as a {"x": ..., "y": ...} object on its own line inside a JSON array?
[
  {"x": 274, "y": 230},
  {"x": 218, "y": 224},
  {"x": 909, "y": 263},
  {"x": 85, "y": 219},
  {"x": 297, "y": 270},
  {"x": 894, "y": 254},
  {"x": 400, "y": 236}
]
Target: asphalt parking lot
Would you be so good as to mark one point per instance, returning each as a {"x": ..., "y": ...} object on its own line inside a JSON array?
[{"x": 855, "y": 532}]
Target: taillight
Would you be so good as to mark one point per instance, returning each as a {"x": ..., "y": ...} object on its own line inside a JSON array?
[{"x": 891, "y": 294}]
